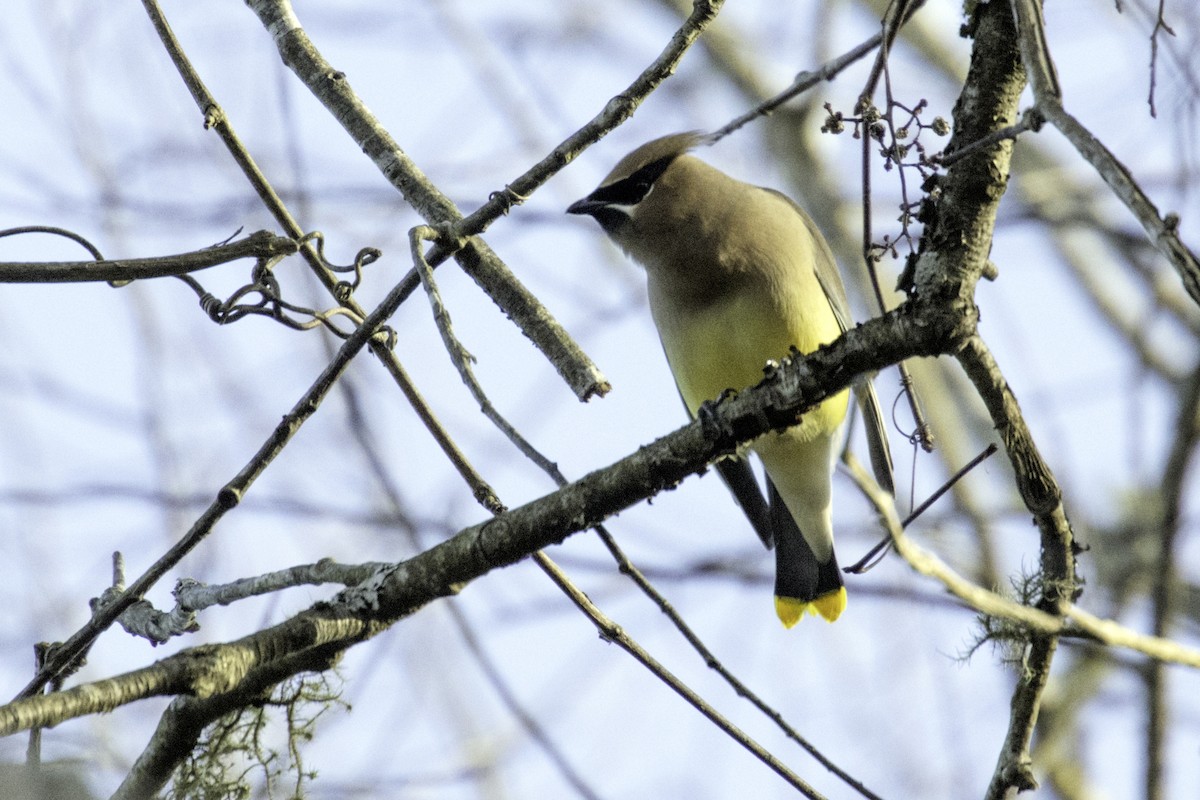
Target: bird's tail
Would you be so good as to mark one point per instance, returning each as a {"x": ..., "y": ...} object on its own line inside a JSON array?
[{"x": 802, "y": 583}]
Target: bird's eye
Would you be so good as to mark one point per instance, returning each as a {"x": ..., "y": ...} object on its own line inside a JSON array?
[{"x": 627, "y": 192}]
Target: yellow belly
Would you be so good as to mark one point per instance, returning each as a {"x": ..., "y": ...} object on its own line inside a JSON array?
[{"x": 726, "y": 346}]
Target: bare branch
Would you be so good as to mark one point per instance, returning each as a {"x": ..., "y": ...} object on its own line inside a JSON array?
[
  {"x": 476, "y": 258},
  {"x": 262, "y": 245},
  {"x": 312, "y": 251},
  {"x": 611, "y": 632},
  {"x": 628, "y": 568},
  {"x": 616, "y": 111},
  {"x": 1082, "y": 623},
  {"x": 65, "y": 654},
  {"x": 459, "y": 355},
  {"x": 802, "y": 83},
  {"x": 1175, "y": 473},
  {"x": 144, "y": 620},
  {"x": 1162, "y": 230},
  {"x": 1160, "y": 24}
]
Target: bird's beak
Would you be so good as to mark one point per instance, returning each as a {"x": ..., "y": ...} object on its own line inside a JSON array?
[{"x": 586, "y": 206}]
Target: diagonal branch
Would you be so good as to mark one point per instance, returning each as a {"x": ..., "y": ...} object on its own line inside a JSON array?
[
  {"x": 310, "y": 250},
  {"x": 397, "y": 591},
  {"x": 615, "y": 112},
  {"x": 1074, "y": 621},
  {"x": 1163, "y": 231},
  {"x": 477, "y": 259},
  {"x": 612, "y": 632}
]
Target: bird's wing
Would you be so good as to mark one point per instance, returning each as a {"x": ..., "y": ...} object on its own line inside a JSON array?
[
  {"x": 736, "y": 473},
  {"x": 877, "y": 441},
  {"x": 739, "y": 477},
  {"x": 864, "y": 391}
]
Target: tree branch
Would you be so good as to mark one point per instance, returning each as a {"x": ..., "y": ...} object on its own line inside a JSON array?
[
  {"x": 1166, "y": 574},
  {"x": 611, "y": 632},
  {"x": 477, "y": 259},
  {"x": 64, "y": 654},
  {"x": 1162, "y": 231},
  {"x": 262, "y": 245},
  {"x": 399, "y": 590},
  {"x": 215, "y": 118}
]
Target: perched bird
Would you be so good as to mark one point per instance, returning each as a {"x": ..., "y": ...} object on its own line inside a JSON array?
[{"x": 737, "y": 276}]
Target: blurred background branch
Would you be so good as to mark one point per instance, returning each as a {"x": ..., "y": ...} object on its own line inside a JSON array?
[{"x": 121, "y": 407}]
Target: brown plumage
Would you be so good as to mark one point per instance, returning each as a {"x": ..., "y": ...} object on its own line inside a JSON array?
[{"x": 737, "y": 276}]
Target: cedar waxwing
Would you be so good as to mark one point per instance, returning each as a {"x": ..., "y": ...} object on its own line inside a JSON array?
[{"x": 737, "y": 276}]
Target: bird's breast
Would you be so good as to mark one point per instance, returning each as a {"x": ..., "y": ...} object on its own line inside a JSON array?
[{"x": 725, "y": 342}]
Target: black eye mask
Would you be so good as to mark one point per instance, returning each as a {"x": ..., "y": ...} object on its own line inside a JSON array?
[{"x": 632, "y": 190}]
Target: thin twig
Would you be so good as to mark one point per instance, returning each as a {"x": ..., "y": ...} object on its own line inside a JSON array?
[
  {"x": 802, "y": 83},
  {"x": 54, "y": 230},
  {"x": 1160, "y": 24},
  {"x": 262, "y": 245},
  {"x": 334, "y": 91},
  {"x": 628, "y": 568},
  {"x": 868, "y": 561},
  {"x": 459, "y": 355},
  {"x": 898, "y": 13},
  {"x": 311, "y": 250},
  {"x": 1030, "y": 121},
  {"x": 1162, "y": 230},
  {"x": 611, "y": 632},
  {"x": 543, "y": 738}
]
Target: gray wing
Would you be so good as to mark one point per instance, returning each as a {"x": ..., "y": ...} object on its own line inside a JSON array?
[
  {"x": 739, "y": 477},
  {"x": 864, "y": 391},
  {"x": 877, "y": 441}
]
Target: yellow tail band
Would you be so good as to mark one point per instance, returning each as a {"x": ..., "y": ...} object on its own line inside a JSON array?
[{"x": 829, "y": 606}]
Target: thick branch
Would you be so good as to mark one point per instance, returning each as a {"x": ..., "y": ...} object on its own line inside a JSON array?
[
  {"x": 399, "y": 590},
  {"x": 954, "y": 251},
  {"x": 229, "y": 496},
  {"x": 958, "y": 235},
  {"x": 185, "y": 720}
]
